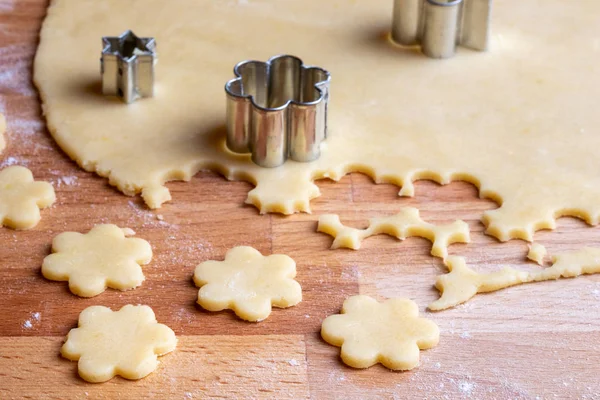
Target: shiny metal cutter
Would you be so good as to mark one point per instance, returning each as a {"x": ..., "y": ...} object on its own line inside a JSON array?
[
  {"x": 440, "y": 25},
  {"x": 277, "y": 110},
  {"x": 127, "y": 66}
]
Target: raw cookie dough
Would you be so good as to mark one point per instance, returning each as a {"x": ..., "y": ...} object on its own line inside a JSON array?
[
  {"x": 536, "y": 253},
  {"x": 405, "y": 224},
  {"x": 462, "y": 283},
  {"x": 103, "y": 257},
  {"x": 2, "y": 130},
  {"x": 21, "y": 198},
  {"x": 390, "y": 333},
  {"x": 516, "y": 121},
  {"x": 125, "y": 343},
  {"x": 248, "y": 283}
]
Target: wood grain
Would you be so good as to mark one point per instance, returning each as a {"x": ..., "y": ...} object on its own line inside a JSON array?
[
  {"x": 540, "y": 340},
  {"x": 270, "y": 366}
]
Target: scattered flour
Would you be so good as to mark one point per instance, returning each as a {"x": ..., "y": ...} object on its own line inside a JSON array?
[
  {"x": 465, "y": 335},
  {"x": 466, "y": 387},
  {"x": 21, "y": 130},
  {"x": 20, "y": 127},
  {"x": 7, "y": 5},
  {"x": 13, "y": 161},
  {"x": 149, "y": 218},
  {"x": 16, "y": 127},
  {"x": 16, "y": 77},
  {"x": 350, "y": 273},
  {"x": 66, "y": 180},
  {"x": 35, "y": 318}
]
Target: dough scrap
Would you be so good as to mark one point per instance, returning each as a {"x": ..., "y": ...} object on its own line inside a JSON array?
[
  {"x": 390, "y": 333},
  {"x": 2, "y": 131},
  {"x": 525, "y": 133},
  {"x": 536, "y": 253},
  {"x": 103, "y": 257},
  {"x": 21, "y": 198},
  {"x": 405, "y": 224},
  {"x": 125, "y": 343},
  {"x": 462, "y": 283},
  {"x": 248, "y": 283}
]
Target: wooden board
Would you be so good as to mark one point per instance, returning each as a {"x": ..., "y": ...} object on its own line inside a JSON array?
[{"x": 534, "y": 341}]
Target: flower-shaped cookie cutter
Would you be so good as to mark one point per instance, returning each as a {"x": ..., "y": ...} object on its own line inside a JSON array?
[
  {"x": 439, "y": 25},
  {"x": 277, "y": 110},
  {"x": 127, "y": 66}
]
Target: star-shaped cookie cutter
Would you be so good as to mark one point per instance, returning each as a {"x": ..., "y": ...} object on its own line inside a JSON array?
[
  {"x": 277, "y": 110},
  {"x": 440, "y": 25},
  {"x": 127, "y": 66}
]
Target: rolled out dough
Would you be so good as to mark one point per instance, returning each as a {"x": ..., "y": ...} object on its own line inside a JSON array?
[
  {"x": 462, "y": 283},
  {"x": 518, "y": 121},
  {"x": 406, "y": 223},
  {"x": 536, "y": 253}
]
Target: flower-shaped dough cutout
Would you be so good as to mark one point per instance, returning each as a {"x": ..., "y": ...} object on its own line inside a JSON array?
[
  {"x": 248, "y": 283},
  {"x": 125, "y": 343},
  {"x": 91, "y": 262},
  {"x": 21, "y": 198},
  {"x": 390, "y": 333}
]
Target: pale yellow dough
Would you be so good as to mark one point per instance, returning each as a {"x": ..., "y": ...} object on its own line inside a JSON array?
[
  {"x": 21, "y": 198},
  {"x": 536, "y": 253},
  {"x": 125, "y": 343},
  {"x": 462, "y": 283},
  {"x": 103, "y": 257},
  {"x": 405, "y": 224},
  {"x": 248, "y": 283},
  {"x": 2, "y": 130},
  {"x": 390, "y": 333},
  {"x": 517, "y": 121}
]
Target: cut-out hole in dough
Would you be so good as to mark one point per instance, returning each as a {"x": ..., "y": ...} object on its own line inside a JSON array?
[{"x": 405, "y": 223}]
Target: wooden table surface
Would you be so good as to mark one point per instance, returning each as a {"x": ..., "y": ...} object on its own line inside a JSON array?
[{"x": 533, "y": 341}]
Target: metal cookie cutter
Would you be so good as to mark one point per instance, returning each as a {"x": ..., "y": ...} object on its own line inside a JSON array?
[
  {"x": 277, "y": 110},
  {"x": 127, "y": 66},
  {"x": 439, "y": 25}
]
